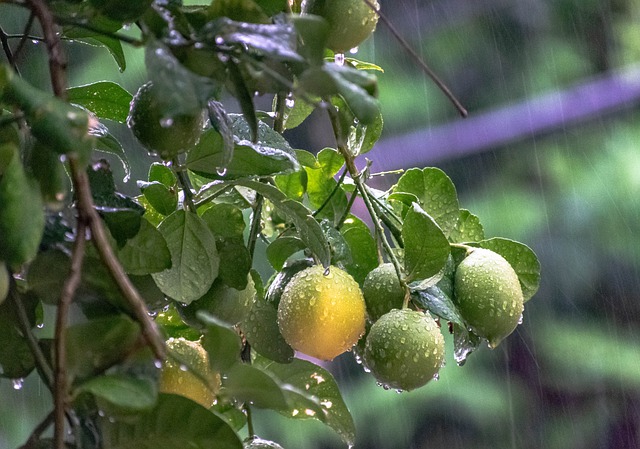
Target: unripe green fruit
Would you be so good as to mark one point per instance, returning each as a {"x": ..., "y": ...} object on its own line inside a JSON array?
[
  {"x": 488, "y": 295},
  {"x": 350, "y": 21},
  {"x": 259, "y": 443},
  {"x": 404, "y": 349},
  {"x": 163, "y": 135},
  {"x": 197, "y": 381},
  {"x": 322, "y": 315},
  {"x": 382, "y": 291}
]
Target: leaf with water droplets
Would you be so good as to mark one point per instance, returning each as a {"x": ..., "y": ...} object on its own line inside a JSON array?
[
  {"x": 467, "y": 229},
  {"x": 318, "y": 382},
  {"x": 107, "y": 100},
  {"x": 281, "y": 249},
  {"x": 118, "y": 393},
  {"x": 464, "y": 343},
  {"x": 522, "y": 258},
  {"x": 437, "y": 302},
  {"x": 436, "y": 195},
  {"x": 164, "y": 427},
  {"x": 364, "y": 255},
  {"x": 194, "y": 258}
]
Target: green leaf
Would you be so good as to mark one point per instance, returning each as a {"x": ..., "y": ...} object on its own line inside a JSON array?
[
  {"x": 251, "y": 384},
  {"x": 467, "y": 229},
  {"x": 194, "y": 258},
  {"x": 221, "y": 122},
  {"x": 95, "y": 38},
  {"x": 174, "y": 423},
  {"x": 436, "y": 195},
  {"x": 160, "y": 197},
  {"x": 249, "y": 159},
  {"x": 99, "y": 343},
  {"x": 234, "y": 274},
  {"x": 107, "y": 143},
  {"x": 426, "y": 247},
  {"x": 225, "y": 221},
  {"x": 161, "y": 173},
  {"x": 281, "y": 249},
  {"x": 307, "y": 227},
  {"x": 221, "y": 341},
  {"x": 47, "y": 274},
  {"x": 147, "y": 252},
  {"x": 364, "y": 254},
  {"x": 120, "y": 393},
  {"x": 298, "y": 113},
  {"x": 16, "y": 358},
  {"x": 262, "y": 332},
  {"x": 437, "y": 302},
  {"x": 323, "y": 190},
  {"x": 280, "y": 281},
  {"x": 313, "y": 32},
  {"x": 522, "y": 258},
  {"x": 318, "y": 382},
  {"x": 107, "y": 100},
  {"x": 464, "y": 343},
  {"x": 294, "y": 185},
  {"x": 21, "y": 211}
]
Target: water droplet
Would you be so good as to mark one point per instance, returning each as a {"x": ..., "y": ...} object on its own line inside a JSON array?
[
  {"x": 221, "y": 171},
  {"x": 17, "y": 383},
  {"x": 354, "y": 50},
  {"x": 339, "y": 59},
  {"x": 40, "y": 325},
  {"x": 166, "y": 122},
  {"x": 290, "y": 101}
]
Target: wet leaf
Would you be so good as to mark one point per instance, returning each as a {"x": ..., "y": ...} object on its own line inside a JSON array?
[
  {"x": 426, "y": 247},
  {"x": 164, "y": 428},
  {"x": 467, "y": 229},
  {"x": 436, "y": 195},
  {"x": 221, "y": 341},
  {"x": 106, "y": 99},
  {"x": 120, "y": 393},
  {"x": 194, "y": 258}
]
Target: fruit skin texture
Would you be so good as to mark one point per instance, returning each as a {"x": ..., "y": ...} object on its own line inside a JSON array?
[
  {"x": 404, "y": 349},
  {"x": 382, "y": 291},
  {"x": 259, "y": 443},
  {"x": 488, "y": 295},
  {"x": 322, "y": 316},
  {"x": 175, "y": 380},
  {"x": 350, "y": 21},
  {"x": 163, "y": 136}
]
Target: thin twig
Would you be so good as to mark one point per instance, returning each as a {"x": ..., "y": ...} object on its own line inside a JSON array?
[
  {"x": 34, "y": 438},
  {"x": 7, "y": 50},
  {"x": 185, "y": 184},
  {"x": 41, "y": 361},
  {"x": 333, "y": 192},
  {"x": 423, "y": 65},
  {"x": 71, "y": 284},
  {"x": 25, "y": 36},
  {"x": 256, "y": 224},
  {"x": 101, "y": 241}
]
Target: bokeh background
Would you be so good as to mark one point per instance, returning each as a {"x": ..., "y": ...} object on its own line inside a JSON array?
[{"x": 550, "y": 156}]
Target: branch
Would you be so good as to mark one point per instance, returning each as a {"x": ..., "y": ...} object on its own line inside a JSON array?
[
  {"x": 71, "y": 284},
  {"x": 423, "y": 65}
]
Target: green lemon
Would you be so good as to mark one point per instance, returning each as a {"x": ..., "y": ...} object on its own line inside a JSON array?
[
  {"x": 223, "y": 302},
  {"x": 382, "y": 291},
  {"x": 404, "y": 349},
  {"x": 162, "y": 134},
  {"x": 259, "y": 443},
  {"x": 488, "y": 295},
  {"x": 195, "y": 379},
  {"x": 322, "y": 315},
  {"x": 350, "y": 21}
]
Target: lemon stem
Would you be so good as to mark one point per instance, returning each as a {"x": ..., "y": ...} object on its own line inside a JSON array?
[
  {"x": 364, "y": 193},
  {"x": 185, "y": 184}
]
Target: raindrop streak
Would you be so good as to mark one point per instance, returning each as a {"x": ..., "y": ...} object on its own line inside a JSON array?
[{"x": 339, "y": 58}]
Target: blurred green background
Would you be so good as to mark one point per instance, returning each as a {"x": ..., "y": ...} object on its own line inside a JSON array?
[{"x": 548, "y": 156}]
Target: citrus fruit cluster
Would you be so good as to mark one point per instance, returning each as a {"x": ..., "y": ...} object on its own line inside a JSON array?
[{"x": 322, "y": 313}]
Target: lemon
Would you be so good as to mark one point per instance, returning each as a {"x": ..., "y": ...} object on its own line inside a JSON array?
[
  {"x": 488, "y": 295},
  {"x": 382, "y": 291},
  {"x": 165, "y": 136},
  {"x": 404, "y": 349},
  {"x": 194, "y": 380},
  {"x": 350, "y": 21},
  {"x": 322, "y": 315}
]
